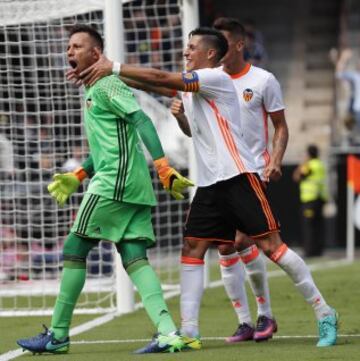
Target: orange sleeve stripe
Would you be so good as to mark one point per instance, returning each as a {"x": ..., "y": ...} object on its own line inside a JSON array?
[
  {"x": 254, "y": 252},
  {"x": 279, "y": 253},
  {"x": 191, "y": 260},
  {"x": 229, "y": 262}
]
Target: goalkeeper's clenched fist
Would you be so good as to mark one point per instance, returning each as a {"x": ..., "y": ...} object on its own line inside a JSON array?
[
  {"x": 171, "y": 180},
  {"x": 64, "y": 185}
]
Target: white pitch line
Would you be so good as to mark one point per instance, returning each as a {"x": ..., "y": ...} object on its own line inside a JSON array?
[
  {"x": 212, "y": 338},
  {"x": 10, "y": 355}
]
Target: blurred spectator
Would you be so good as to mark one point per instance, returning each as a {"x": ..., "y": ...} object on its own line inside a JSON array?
[
  {"x": 352, "y": 76},
  {"x": 132, "y": 58},
  {"x": 250, "y": 27},
  {"x": 255, "y": 52},
  {"x": 76, "y": 159},
  {"x": 8, "y": 253},
  {"x": 311, "y": 177},
  {"x": 6, "y": 156}
]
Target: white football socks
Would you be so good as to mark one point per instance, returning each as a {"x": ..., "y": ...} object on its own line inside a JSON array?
[
  {"x": 191, "y": 291},
  {"x": 233, "y": 276},
  {"x": 299, "y": 272},
  {"x": 256, "y": 271}
]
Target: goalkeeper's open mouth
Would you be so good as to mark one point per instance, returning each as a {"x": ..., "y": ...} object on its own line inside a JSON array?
[{"x": 73, "y": 64}]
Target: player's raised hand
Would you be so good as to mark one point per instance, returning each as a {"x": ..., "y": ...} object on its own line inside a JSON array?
[
  {"x": 171, "y": 180},
  {"x": 177, "y": 108},
  {"x": 103, "y": 67},
  {"x": 73, "y": 77}
]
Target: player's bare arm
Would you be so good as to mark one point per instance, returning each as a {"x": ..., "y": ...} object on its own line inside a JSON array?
[
  {"x": 280, "y": 140},
  {"x": 160, "y": 90},
  {"x": 177, "y": 110},
  {"x": 154, "y": 76},
  {"x": 149, "y": 76},
  {"x": 104, "y": 67}
]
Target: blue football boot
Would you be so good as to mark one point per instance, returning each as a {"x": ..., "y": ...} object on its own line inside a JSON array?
[
  {"x": 328, "y": 327},
  {"x": 45, "y": 342}
]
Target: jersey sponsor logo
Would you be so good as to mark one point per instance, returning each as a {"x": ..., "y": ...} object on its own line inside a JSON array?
[{"x": 248, "y": 94}]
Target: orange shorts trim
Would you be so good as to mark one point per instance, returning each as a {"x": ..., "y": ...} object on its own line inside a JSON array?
[
  {"x": 266, "y": 233},
  {"x": 208, "y": 239},
  {"x": 191, "y": 260}
]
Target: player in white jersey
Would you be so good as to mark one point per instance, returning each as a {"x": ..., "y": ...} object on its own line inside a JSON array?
[
  {"x": 230, "y": 196},
  {"x": 259, "y": 95}
]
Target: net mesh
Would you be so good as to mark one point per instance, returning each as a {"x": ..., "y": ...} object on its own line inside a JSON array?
[{"x": 41, "y": 133}]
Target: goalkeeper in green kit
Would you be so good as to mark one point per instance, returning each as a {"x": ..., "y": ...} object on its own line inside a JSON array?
[{"x": 117, "y": 204}]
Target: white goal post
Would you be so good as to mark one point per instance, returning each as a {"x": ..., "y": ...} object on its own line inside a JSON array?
[{"x": 41, "y": 134}]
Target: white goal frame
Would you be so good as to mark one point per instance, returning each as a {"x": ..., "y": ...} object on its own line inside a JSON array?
[{"x": 113, "y": 29}]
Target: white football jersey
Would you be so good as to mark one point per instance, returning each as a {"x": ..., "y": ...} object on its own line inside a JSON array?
[
  {"x": 213, "y": 112},
  {"x": 259, "y": 94}
]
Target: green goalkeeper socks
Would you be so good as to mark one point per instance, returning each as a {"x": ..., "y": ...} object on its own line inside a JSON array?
[
  {"x": 72, "y": 282},
  {"x": 149, "y": 288}
]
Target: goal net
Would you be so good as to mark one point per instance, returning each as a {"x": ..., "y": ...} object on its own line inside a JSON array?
[{"x": 41, "y": 133}]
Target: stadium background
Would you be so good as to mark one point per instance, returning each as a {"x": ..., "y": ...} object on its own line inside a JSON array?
[{"x": 298, "y": 36}]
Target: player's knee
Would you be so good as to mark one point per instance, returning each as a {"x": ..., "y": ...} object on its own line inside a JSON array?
[
  {"x": 133, "y": 254},
  {"x": 270, "y": 244},
  {"x": 194, "y": 249},
  {"x": 242, "y": 241},
  {"x": 226, "y": 249},
  {"x": 76, "y": 249}
]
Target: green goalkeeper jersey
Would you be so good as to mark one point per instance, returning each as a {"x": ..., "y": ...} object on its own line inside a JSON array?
[{"x": 121, "y": 171}]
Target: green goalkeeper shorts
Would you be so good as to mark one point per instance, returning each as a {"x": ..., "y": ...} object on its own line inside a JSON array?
[{"x": 106, "y": 219}]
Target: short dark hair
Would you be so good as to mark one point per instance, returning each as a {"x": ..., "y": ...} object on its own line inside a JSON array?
[
  {"x": 232, "y": 25},
  {"x": 93, "y": 33},
  {"x": 313, "y": 151},
  {"x": 214, "y": 38}
]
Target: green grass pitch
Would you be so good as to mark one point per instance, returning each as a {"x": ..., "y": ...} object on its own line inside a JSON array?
[{"x": 117, "y": 339}]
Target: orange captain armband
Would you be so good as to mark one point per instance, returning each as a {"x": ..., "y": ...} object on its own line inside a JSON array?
[{"x": 80, "y": 174}]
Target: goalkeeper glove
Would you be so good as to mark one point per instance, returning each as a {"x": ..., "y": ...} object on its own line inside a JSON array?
[
  {"x": 171, "y": 180},
  {"x": 64, "y": 185}
]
